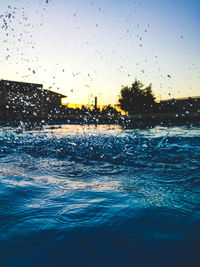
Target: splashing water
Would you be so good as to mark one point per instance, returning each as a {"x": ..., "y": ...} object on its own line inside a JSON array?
[{"x": 99, "y": 196}]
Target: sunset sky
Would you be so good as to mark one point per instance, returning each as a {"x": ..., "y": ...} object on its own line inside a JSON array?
[{"x": 80, "y": 47}]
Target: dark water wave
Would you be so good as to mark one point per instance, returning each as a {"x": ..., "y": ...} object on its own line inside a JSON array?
[{"x": 86, "y": 196}]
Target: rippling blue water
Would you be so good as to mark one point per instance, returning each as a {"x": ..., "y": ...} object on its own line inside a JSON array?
[{"x": 99, "y": 196}]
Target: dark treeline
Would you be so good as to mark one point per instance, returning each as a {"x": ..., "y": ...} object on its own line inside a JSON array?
[
  {"x": 138, "y": 99},
  {"x": 84, "y": 110},
  {"x": 24, "y": 101}
]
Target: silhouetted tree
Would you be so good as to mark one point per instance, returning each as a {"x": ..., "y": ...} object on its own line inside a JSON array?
[
  {"x": 137, "y": 99},
  {"x": 109, "y": 110}
]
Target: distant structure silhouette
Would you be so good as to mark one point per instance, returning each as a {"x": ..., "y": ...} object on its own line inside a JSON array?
[
  {"x": 179, "y": 105},
  {"x": 19, "y": 100},
  {"x": 31, "y": 102},
  {"x": 139, "y": 100}
]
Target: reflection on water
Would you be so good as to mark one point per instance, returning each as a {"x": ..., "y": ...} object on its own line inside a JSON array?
[{"x": 75, "y": 195}]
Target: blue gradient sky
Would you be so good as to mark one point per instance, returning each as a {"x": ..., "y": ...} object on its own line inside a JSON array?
[{"x": 85, "y": 47}]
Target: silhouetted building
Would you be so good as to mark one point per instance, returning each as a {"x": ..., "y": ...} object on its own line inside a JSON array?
[
  {"x": 20, "y": 100},
  {"x": 180, "y": 105}
]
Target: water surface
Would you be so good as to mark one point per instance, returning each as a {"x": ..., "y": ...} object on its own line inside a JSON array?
[{"x": 74, "y": 195}]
